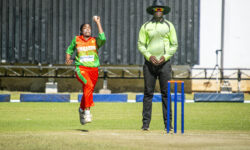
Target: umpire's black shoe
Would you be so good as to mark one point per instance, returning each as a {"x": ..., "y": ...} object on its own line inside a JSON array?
[
  {"x": 170, "y": 128},
  {"x": 145, "y": 127}
]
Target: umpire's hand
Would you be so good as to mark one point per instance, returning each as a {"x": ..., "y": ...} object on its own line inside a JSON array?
[
  {"x": 153, "y": 60},
  {"x": 162, "y": 60}
]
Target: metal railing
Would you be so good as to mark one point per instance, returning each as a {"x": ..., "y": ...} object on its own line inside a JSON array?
[{"x": 126, "y": 72}]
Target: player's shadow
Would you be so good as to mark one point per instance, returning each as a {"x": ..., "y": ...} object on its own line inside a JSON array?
[{"x": 82, "y": 130}]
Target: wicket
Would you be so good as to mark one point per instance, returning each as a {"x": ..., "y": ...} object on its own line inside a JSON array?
[{"x": 175, "y": 105}]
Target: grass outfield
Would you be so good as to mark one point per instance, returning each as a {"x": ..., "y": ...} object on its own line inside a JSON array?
[{"x": 117, "y": 126}]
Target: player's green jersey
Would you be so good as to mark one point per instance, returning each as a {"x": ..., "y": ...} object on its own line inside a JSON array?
[{"x": 87, "y": 50}]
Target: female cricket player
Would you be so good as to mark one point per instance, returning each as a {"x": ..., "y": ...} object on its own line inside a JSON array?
[{"x": 86, "y": 64}]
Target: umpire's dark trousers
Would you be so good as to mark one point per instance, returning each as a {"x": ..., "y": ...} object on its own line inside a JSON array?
[{"x": 151, "y": 73}]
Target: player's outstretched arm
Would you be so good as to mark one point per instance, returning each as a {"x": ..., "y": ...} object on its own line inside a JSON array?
[{"x": 97, "y": 19}]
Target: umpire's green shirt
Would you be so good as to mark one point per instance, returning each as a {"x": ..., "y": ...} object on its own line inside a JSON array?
[{"x": 157, "y": 39}]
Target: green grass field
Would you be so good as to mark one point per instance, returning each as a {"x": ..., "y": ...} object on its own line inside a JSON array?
[{"x": 25, "y": 126}]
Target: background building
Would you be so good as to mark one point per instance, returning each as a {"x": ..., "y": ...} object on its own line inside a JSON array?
[{"x": 37, "y": 33}]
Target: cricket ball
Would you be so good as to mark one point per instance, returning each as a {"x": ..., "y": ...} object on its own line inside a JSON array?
[{"x": 94, "y": 17}]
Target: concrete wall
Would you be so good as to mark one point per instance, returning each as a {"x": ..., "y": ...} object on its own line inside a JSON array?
[
  {"x": 213, "y": 86},
  {"x": 115, "y": 85},
  {"x": 236, "y": 43}
]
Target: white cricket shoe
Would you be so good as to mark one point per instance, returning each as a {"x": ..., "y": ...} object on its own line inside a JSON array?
[{"x": 87, "y": 116}]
